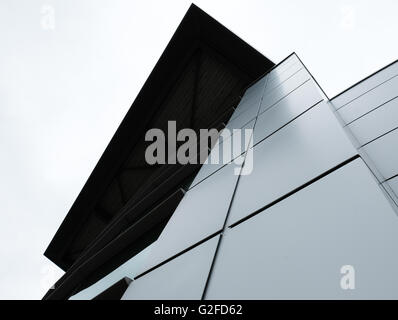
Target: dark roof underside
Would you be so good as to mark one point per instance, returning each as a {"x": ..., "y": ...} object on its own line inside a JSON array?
[{"x": 196, "y": 82}]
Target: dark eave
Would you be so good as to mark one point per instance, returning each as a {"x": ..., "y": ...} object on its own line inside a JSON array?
[{"x": 197, "y": 31}]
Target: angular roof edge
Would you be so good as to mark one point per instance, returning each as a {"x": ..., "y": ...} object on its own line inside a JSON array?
[{"x": 196, "y": 27}]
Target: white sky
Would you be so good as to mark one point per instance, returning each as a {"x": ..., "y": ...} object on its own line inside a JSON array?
[{"x": 64, "y": 91}]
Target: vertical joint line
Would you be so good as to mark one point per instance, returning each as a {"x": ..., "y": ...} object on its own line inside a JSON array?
[{"x": 231, "y": 201}]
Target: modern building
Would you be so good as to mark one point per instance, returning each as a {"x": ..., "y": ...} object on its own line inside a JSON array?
[{"x": 314, "y": 217}]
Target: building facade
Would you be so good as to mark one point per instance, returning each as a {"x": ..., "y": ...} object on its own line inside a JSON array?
[{"x": 307, "y": 209}]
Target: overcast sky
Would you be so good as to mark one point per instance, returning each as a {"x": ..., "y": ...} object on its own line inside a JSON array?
[{"x": 69, "y": 70}]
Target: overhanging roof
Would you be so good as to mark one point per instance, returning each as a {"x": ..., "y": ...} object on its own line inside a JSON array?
[{"x": 228, "y": 65}]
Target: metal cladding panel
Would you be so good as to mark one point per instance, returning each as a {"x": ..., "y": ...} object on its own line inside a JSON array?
[
  {"x": 384, "y": 155},
  {"x": 205, "y": 171},
  {"x": 296, "y": 248},
  {"x": 376, "y": 123},
  {"x": 370, "y": 111},
  {"x": 305, "y": 97},
  {"x": 394, "y": 185},
  {"x": 247, "y": 108},
  {"x": 306, "y": 148},
  {"x": 309, "y": 208},
  {"x": 283, "y": 90},
  {"x": 130, "y": 268},
  {"x": 182, "y": 278},
  {"x": 369, "y": 101},
  {"x": 284, "y": 76},
  {"x": 251, "y": 99},
  {"x": 245, "y": 117},
  {"x": 366, "y": 85},
  {"x": 200, "y": 214},
  {"x": 255, "y": 91},
  {"x": 222, "y": 151},
  {"x": 282, "y": 68}
]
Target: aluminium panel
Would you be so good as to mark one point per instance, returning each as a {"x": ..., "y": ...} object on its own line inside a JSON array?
[
  {"x": 283, "y": 76},
  {"x": 307, "y": 147},
  {"x": 222, "y": 151},
  {"x": 182, "y": 278},
  {"x": 255, "y": 91},
  {"x": 384, "y": 155},
  {"x": 286, "y": 110},
  {"x": 369, "y": 101},
  {"x": 284, "y": 90},
  {"x": 296, "y": 248},
  {"x": 130, "y": 268},
  {"x": 243, "y": 119},
  {"x": 200, "y": 214},
  {"x": 365, "y": 86},
  {"x": 283, "y": 67},
  {"x": 251, "y": 99},
  {"x": 376, "y": 123},
  {"x": 248, "y": 107},
  {"x": 393, "y": 183}
]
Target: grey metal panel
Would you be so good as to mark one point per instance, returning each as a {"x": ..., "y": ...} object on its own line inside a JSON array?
[
  {"x": 221, "y": 149},
  {"x": 383, "y": 153},
  {"x": 200, "y": 214},
  {"x": 369, "y": 101},
  {"x": 304, "y": 149},
  {"x": 389, "y": 188},
  {"x": 243, "y": 118},
  {"x": 246, "y": 107},
  {"x": 286, "y": 110},
  {"x": 232, "y": 143},
  {"x": 283, "y": 67},
  {"x": 283, "y": 76},
  {"x": 182, "y": 278},
  {"x": 365, "y": 86},
  {"x": 393, "y": 183},
  {"x": 130, "y": 268},
  {"x": 284, "y": 90},
  {"x": 255, "y": 91},
  {"x": 205, "y": 171},
  {"x": 376, "y": 123},
  {"x": 295, "y": 249},
  {"x": 256, "y": 87},
  {"x": 226, "y": 132},
  {"x": 250, "y": 101}
]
